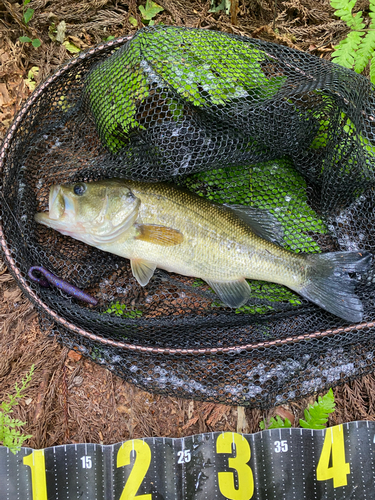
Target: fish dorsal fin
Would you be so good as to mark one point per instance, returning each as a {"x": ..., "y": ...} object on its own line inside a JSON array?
[
  {"x": 159, "y": 235},
  {"x": 232, "y": 293},
  {"x": 142, "y": 270},
  {"x": 262, "y": 222}
]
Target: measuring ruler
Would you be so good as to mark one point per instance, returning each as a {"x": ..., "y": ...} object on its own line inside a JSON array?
[{"x": 281, "y": 464}]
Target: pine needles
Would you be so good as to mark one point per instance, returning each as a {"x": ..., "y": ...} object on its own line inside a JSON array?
[{"x": 357, "y": 49}]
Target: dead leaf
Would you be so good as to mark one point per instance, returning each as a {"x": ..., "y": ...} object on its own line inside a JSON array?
[
  {"x": 4, "y": 96},
  {"x": 12, "y": 295},
  {"x": 74, "y": 355},
  {"x": 77, "y": 381},
  {"x": 78, "y": 42},
  {"x": 285, "y": 413},
  {"x": 61, "y": 28},
  {"x": 123, "y": 409}
]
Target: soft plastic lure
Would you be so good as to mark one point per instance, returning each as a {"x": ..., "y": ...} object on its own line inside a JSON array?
[{"x": 51, "y": 279}]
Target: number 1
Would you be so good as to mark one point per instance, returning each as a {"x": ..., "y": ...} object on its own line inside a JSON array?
[{"x": 37, "y": 465}]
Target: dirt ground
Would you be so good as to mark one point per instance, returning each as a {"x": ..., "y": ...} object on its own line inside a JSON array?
[{"x": 71, "y": 399}]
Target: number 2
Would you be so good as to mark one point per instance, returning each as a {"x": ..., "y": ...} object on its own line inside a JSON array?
[
  {"x": 139, "y": 470},
  {"x": 334, "y": 447},
  {"x": 245, "y": 478}
]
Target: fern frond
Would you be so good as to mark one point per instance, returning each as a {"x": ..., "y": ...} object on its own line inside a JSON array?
[
  {"x": 275, "y": 423},
  {"x": 316, "y": 415},
  {"x": 344, "y": 12},
  {"x": 365, "y": 51},
  {"x": 372, "y": 69},
  {"x": 345, "y": 53}
]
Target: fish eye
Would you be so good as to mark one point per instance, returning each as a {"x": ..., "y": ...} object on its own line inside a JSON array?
[{"x": 79, "y": 189}]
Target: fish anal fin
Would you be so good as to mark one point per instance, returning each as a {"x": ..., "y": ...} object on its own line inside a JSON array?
[
  {"x": 232, "y": 293},
  {"x": 159, "y": 235},
  {"x": 142, "y": 270}
]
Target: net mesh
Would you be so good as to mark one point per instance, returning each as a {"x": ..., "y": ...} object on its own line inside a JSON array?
[{"x": 235, "y": 120}]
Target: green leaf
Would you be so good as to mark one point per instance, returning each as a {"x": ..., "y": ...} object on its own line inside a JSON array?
[
  {"x": 223, "y": 5},
  {"x": 36, "y": 43},
  {"x": 151, "y": 10},
  {"x": 108, "y": 39},
  {"x": 28, "y": 15},
  {"x": 133, "y": 21},
  {"x": 71, "y": 47},
  {"x": 25, "y": 39},
  {"x": 9, "y": 436},
  {"x": 276, "y": 423},
  {"x": 25, "y": 2},
  {"x": 365, "y": 51},
  {"x": 316, "y": 415},
  {"x": 372, "y": 69},
  {"x": 345, "y": 52}
]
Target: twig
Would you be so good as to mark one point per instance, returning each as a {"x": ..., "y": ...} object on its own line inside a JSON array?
[{"x": 65, "y": 396}]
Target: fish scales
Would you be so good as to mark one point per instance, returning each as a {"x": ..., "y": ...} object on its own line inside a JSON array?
[{"x": 217, "y": 244}]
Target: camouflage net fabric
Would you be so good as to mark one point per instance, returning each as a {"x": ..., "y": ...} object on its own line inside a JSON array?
[{"x": 235, "y": 120}]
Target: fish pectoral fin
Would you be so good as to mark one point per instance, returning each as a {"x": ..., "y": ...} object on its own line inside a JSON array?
[
  {"x": 159, "y": 235},
  {"x": 262, "y": 222},
  {"x": 142, "y": 270},
  {"x": 232, "y": 293}
]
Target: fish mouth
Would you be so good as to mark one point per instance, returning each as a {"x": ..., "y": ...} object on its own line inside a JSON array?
[
  {"x": 61, "y": 211},
  {"x": 56, "y": 203}
]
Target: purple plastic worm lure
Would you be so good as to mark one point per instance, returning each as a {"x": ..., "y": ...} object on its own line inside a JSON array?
[{"x": 50, "y": 278}]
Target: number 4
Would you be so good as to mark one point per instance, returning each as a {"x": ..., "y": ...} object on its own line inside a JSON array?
[{"x": 333, "y": 447}]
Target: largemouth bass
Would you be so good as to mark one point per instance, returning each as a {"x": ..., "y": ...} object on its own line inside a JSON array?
[{"x": 162, "y": 226}]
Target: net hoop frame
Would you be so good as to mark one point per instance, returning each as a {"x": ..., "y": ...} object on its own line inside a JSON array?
[{"x": 60, "y": 320}]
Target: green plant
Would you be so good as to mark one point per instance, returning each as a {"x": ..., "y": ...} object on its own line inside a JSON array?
[
  {"x": 149, "y": 12},
  {"x": 316, "y": 415},
  {"x": 223, "y": 5},
  {"x": 121, "y": 310},
  {"x": 30, "y": 80},
  {"x": 27, "y": 15},
  {"x": 356, "y": 50},
  {"x": 9, "y": 435},
  {"x": 275, "y": 423}
]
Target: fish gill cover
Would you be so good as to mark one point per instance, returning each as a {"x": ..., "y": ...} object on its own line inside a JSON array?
[{"x": 237, "y": 121}]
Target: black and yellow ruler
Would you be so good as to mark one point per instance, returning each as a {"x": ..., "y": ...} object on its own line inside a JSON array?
[{"x": 284, "y": 464}]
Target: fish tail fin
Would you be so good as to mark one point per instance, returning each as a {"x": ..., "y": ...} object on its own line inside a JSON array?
[{"x": 329, "y": 285}]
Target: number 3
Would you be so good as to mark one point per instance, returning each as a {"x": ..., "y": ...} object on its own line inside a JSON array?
[{"x": 239, "y": 463}]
